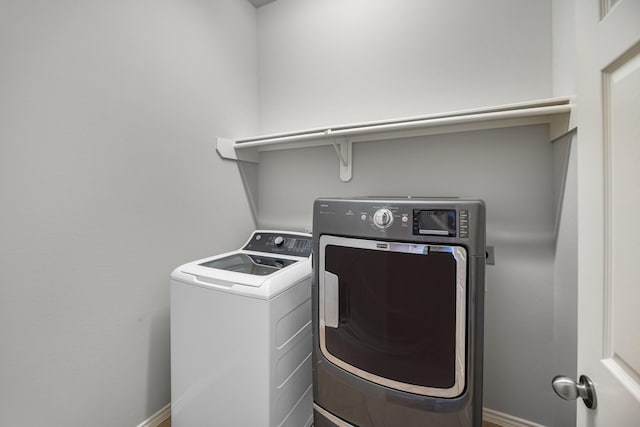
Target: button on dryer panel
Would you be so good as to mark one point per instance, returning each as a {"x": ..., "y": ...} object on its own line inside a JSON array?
[{"x": 464, "y": 223}]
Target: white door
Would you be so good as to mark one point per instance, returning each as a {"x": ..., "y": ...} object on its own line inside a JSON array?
[{"x": 608, "y": 108}]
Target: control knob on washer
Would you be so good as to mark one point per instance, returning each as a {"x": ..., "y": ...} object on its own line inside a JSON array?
[
  {"x": 383, "y": 218},
  {"x": 278, "y": 241}
]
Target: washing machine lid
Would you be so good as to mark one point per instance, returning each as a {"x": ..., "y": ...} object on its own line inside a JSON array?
[
  {"x": 269, "y": 263},
  {"x": 256, "y": 265},
  {"x": 238, "y": 268}
]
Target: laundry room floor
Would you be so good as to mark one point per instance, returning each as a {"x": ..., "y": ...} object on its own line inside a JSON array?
[{"x": 167, "y": 423}]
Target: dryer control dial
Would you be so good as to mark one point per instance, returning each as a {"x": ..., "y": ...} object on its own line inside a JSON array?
[
  {"x": 383, "y": 218},
  {"x": 278, "y": 241}
]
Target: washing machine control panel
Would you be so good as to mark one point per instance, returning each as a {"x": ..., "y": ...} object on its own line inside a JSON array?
[{"x": 280, "y": 243}]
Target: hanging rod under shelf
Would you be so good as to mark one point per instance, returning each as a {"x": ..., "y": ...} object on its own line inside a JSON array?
[{"x": 342, "y": 136}]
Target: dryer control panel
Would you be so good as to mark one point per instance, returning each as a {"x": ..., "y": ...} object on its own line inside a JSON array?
[
  {"x": 408, "y": 219},
  {"x": 280, "y": 243}
]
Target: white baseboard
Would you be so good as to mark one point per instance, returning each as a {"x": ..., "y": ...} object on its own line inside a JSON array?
[
  {"x": 490, "y": 415},
  {"x": 505, "y": 420},
  {"x": 156, "y": 419}
]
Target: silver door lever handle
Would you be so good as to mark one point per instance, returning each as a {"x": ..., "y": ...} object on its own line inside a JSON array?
[{"x": 568, "y": 389}]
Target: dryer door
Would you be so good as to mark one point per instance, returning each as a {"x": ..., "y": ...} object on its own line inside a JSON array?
[{"x": 394, "y": 313}]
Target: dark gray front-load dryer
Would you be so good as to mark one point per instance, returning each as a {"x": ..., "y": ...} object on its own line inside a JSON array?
[{"x": 397, "y": 291}]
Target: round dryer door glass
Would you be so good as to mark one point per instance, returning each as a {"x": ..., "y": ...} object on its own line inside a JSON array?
[{"x": 249, "y": 264}]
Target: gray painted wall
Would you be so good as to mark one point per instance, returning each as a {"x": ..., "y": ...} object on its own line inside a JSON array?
[
  {"x": 109, "y": 179},
  {"x": 564, "y": 47},
  {"x": 333, "y": 61}
]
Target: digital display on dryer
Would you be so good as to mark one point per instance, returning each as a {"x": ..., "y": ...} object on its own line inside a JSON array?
[{"x": 434, "y": 222}]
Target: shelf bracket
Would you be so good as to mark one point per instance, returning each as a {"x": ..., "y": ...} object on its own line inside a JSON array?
[
  {"x": 344, "y": 151},
  {"x": 226, "y": 148}
]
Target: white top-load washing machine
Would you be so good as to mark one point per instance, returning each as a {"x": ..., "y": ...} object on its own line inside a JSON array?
[{"x": 241, "y": 335}]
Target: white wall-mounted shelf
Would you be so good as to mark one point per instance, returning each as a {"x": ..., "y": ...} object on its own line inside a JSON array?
[{"x": 554, "y": 112}]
